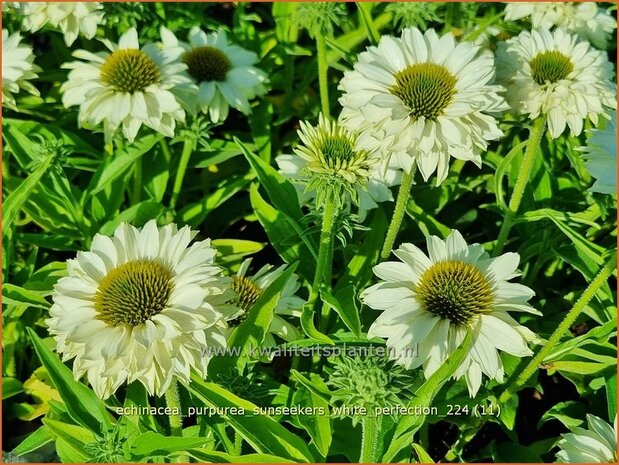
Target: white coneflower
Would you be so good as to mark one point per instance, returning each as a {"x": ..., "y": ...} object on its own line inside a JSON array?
[
  {"x": 382, "y": 177},
  {"x": 330, "y": 160},
  {"x": 557, "y": 75},
  {"x": 72, "y": 18},
  {"x": 432, "y": 95},
  {"x": 429, "y": 303},
  {"x": 141, "y": 306},
  {"x": 127, "y": 87},
  {"x": 17, "y": 67},
  {"x": 224, "y": 72},
  {"x": 598, "y": 444},
  {"x": 249, "y": 288},
  {"x": 601, "y": 155},
  {"x": 586, "y": 19}
]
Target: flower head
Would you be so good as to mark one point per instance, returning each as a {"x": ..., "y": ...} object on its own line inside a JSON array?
[
  {"x": 249, "y": 288},
  {"x": 558, "y": 75},
  {"x": 127, "y": 87},
  {"x": 223, "y": 72},
  {"x": 319, "y": 17},
  {"x": 430, "y": 96},
  {"x": 598, "y": 444},
  {"x": 601, "y": 155},
  {"x": 72, "y": 18},
  {"x": 585, "y": 19},
  {"x": 17, "y": 68},
  {"x": 368, "y": 382},
  {"x": 431, "y": 302},
  {"x": 141, "y": 305},
  {"x": 334, "y": 160}
]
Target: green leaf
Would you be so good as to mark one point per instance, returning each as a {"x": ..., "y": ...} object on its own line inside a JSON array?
[
  {"x": 317, "y": 426},
  {"x": 611, "y": 395},
  {"x": 138, "y": 215},
  {"x": 75, "y": 435},
  {"x": 34, "y": 441},
  {"x": 81, "y": 403},
  {"x": 359, "y": 270},
  {"x": 11, "y": 387},
  {"x": 282, "y": 235},
  {"x": 422, "y": 455},
  {"x": 408, "y": 425},
  {"x": 206, "y": 456},
  {"x": 263, "y": 433},
  {"x": 233, "y": 250},
  {"x": 152, "y": 444},
  {"x": 15, "y": 295},
  {"x": 344, "y": 303},
  {"x": 120, "y": 163},
  {"x": 251, "y": 332},
  {"x": 17, "y": 198}
]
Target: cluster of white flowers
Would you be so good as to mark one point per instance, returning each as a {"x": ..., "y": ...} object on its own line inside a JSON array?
[
  {"x": 143, "y": 304},
  {"x": 128, "y": 86},
  {"x": 146, "y": 306},
  {"x": 586, "y": 19}
]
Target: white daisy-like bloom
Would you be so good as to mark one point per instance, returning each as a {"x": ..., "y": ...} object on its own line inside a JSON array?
[
  {"x": 586, "y": 19},
  {"x": 601, "y": 155},
  {"x": 127, "y": 87},
  {"x": 331, "y": 160},
  {"x": 224, "y": 73},
  {"x": 143, "y": 306},
  {"x": 72, "y": 18},
  {"x": 17, "y": 68},
  {"x": 598, "y": 444},
  {"x": 382, "y": 177},
  {"x": 558, "y": 75},
  {"x": 249, "y": 288},
  {"x": 430, "y": 302},
  {"x": 431, "y": 95}
]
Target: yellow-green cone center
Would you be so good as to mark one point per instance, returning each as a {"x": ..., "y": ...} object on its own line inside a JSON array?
[
  {"x": 338, "y": 152},
  {"x": 129, "y": 70},
  {"x": 133, "y": 292},
  {"x": 455, "y": 290},
  {"x": 425, "y": 88},
  {"x": 246, "y": 291},
  {"x": 206, "y": 64},
  {"x": 550, "y": 67}
]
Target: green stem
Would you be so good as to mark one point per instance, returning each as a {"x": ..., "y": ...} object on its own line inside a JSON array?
[
  {"x": 173, "y": 401},
  {"x": 370, "y": 440},
  {"x": 180, "y": 172},
  {"x": 535, "y": 138},
  {"x": 326, "y": 236},
  {"x": 398, "y": 213},
  {"x": 366, "y": 15},
  {"x": 563, "y": 327},
  {"x": 324, "y": 257},
  {"x": 137, "y": 181},
  {"x": 323, "y": 67}
]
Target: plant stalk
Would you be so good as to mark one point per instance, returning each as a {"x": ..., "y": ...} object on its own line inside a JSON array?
[
  {"x": 535, "y": 138},
  {"x": 173, "y": 401},
  {"x": 180, "y": 172},
  {"x": 323, "y": 68},
  {"x": 370, "y": 440},
  {"x": 398, "y": 213}
]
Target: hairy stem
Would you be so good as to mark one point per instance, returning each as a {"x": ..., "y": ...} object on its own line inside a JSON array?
[
  {"x": 180, "y": 172},
  {"x": 323, "y": 67},
  {"x": 173, "y": 401},
  {"x": 398, "y": 213},
  {"x": 535, "y": 138},
  {"x": 370, "y": 440}
]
